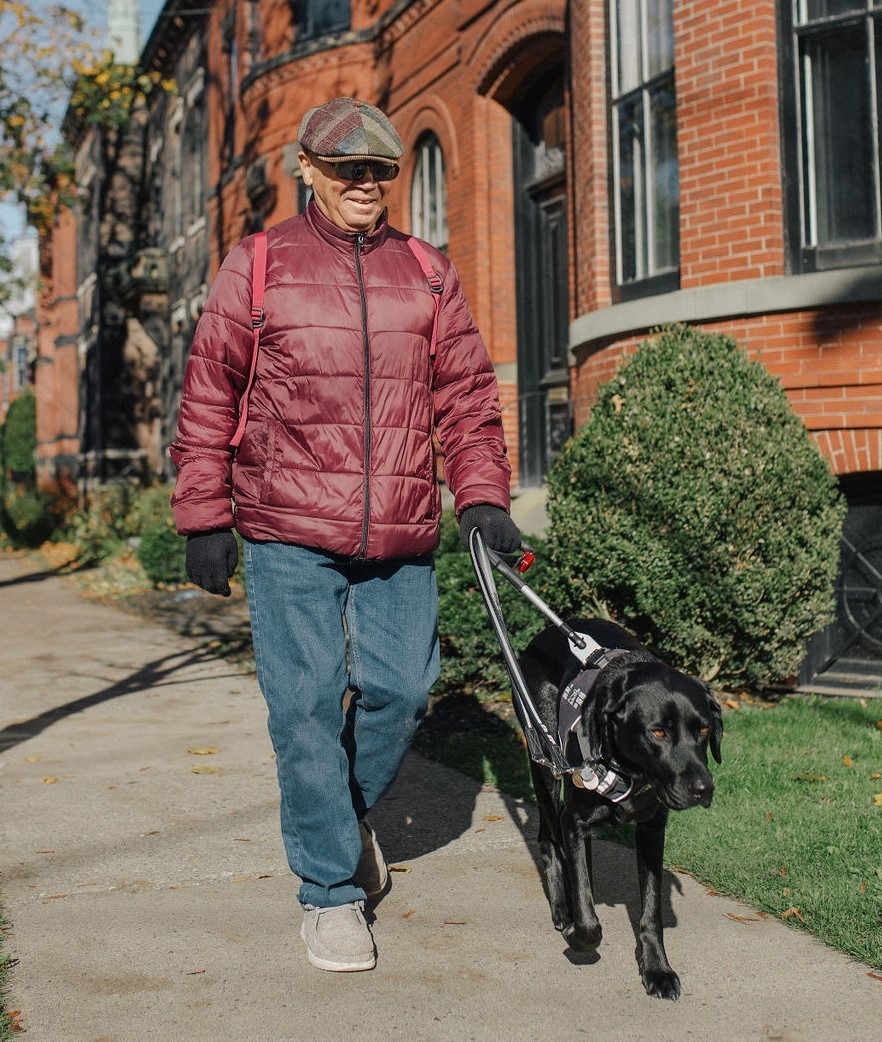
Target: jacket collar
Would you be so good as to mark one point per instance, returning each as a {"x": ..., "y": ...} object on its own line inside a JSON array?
[{"x": 343, "y": 240}]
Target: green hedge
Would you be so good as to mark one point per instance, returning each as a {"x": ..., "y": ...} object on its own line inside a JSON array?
[{"x": 695, "y": 504}]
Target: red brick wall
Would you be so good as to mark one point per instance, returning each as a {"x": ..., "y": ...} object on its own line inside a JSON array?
[{"x": 731, "y": 207}]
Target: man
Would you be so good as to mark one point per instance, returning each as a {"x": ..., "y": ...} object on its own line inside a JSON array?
[{"x": 333, "y": 489}]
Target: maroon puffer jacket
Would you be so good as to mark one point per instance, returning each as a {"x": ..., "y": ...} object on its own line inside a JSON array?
[{"x": 337, "y": 452}]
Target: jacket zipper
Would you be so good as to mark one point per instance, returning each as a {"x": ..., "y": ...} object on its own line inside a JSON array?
[{"x": 359, "y": 243}]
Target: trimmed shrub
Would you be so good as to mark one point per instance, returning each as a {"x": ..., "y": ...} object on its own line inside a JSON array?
[
  {"x": 30, "y": 516},
  {"x": 19, "y": 437},
  {"x": 695, "y": 504},
  {"x": 161, "y": 553}
]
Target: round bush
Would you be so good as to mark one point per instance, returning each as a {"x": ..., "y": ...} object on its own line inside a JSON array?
[
  {"x": 29, "y": 516},
  {"x": 162, "y": 553},
  {"x": 697, "y": 507}
]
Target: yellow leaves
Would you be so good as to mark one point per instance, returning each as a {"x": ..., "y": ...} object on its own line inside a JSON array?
[
  {"x": 792, "y": 913},
  {"x": 204, "y": 750},
  {"x": 399, "y": 868},
  {"x": 847, "y": 761},
  {"x": 49, "y": 781},
  {"x": 205, "y": 769},
  {"x": 877, "y": 800}
]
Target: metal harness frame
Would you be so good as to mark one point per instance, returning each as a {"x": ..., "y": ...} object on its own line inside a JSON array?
[{"x": 595, "y": 773}]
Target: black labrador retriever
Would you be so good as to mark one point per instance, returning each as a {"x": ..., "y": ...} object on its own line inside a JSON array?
[{"x": 651, "y": 726}]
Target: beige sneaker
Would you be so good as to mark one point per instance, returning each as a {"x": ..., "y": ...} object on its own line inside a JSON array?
[
  {"x": 338, "y": 938},
  {"x": 371, "y": 873}
]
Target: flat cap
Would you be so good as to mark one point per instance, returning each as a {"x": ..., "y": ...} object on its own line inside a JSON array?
[{"x": 346, "y": 128}]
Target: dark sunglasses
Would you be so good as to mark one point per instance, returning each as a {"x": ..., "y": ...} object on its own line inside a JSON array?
[{"x": 356, "y": 170}]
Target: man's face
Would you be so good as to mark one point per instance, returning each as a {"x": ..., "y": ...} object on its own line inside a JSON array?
[{"x": 354, "y": 206}]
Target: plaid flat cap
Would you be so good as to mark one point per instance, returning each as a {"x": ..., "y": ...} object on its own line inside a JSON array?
[{"x": 346, "y": 128}]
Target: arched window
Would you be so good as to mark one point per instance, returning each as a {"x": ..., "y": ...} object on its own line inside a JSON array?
[{"x": 428, "y": 193}]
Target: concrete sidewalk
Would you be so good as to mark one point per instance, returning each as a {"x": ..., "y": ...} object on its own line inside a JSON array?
[{"x": 149, "y": 898}]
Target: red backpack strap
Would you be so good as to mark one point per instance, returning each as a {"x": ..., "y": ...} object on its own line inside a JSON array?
[
  {"x": 435, "y": 284},
  {"x": 258, "y": 317}
]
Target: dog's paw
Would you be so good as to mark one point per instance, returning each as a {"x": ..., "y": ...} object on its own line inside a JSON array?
[
  {"x": 583, "y": 938},
  {"x": 661, "y": 984}
]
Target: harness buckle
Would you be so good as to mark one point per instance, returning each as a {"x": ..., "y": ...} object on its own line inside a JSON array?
[
  {"x": 436, "y": 283},
  {"x": 258, "y": 318}
]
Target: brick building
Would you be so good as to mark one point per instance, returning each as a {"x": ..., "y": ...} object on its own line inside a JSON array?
[{"x": 594, "y": 168}]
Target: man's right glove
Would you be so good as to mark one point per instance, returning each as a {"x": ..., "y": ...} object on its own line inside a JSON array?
[
  {"x": 500, "y": 533},
  {"x": 212, "y": 558}
]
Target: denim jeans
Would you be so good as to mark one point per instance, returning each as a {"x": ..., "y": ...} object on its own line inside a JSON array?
[{"x": 333, "y": 767}]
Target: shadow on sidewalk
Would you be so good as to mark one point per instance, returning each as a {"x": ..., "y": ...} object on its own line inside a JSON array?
[{"x": 158, "y": 673}]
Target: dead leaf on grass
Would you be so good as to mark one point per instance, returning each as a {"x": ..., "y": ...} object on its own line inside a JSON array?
[
  {"x": 877, "y": 800},
  {"x": 847, "y": 761},
  {"x": 15, "y": 1023},
  {"x": 792, "y": 912}
]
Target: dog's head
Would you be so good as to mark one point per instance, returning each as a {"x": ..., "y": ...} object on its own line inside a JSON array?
[{"x": 659, "y": 724}]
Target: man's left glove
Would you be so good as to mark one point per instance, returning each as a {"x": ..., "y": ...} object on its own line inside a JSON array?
[
  {"x": 211, "y": 560},
  {"x": 498, "y": 530}
]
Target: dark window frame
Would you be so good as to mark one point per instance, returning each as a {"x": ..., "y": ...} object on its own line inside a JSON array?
[
  {"x": 650, "y": 281},
  {"x": 805, "y": 253}
]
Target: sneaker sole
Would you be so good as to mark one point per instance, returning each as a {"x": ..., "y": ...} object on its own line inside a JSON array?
[{"x": 341, "y": 967}]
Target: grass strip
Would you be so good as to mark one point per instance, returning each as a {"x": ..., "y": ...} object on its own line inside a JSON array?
[
  {"x": 6, "y": 1022},
  {"x": 795, "y": 828}
]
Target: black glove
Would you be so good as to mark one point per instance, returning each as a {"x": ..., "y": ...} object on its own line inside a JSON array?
[
  {"x": 211, "y": 560},
  {"x": 500, "y": 533}
]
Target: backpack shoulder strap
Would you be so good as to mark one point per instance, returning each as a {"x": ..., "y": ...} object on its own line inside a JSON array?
[
  {"x": 435, "y": 284},
  {"x": 258, "y": 317}
]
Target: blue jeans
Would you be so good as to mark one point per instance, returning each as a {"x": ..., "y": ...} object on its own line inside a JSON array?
[{"x": 333, "y": 767}]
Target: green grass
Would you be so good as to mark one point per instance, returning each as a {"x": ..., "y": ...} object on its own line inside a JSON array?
[{"x": 794, "y": 822}]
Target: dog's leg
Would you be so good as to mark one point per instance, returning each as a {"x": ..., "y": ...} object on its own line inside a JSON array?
[
  {"x": 658, "y": 977},
  {"x": 554, "y": 880},
  {"x": 586, "y": 932}
]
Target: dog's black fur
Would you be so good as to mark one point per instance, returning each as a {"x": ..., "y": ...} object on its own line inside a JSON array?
[{"x": 658, "y": 724}]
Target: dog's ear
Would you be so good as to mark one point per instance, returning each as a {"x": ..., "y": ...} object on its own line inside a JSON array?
[{"x": 716, "y": 725}]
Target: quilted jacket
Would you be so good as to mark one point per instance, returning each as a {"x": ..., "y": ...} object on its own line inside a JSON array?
[{"x": 337, "y": 452}]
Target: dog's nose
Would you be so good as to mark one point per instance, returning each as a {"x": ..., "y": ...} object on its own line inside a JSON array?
[{"x": 701, "y": 791}]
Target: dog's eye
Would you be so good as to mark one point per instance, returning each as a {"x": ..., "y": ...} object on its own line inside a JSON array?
[{"x": 659, "y": 732}]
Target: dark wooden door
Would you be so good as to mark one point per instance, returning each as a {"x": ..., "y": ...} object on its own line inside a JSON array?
[{"x": 542, "y": 259}]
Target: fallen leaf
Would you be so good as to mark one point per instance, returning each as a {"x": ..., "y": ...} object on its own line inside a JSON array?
[
  {"x": 55, "y": 897},
  {"x": 847, "y": 761},
  {"x": 875, "y": 976},
  {"x": 790, "y": 912},
  {"x": 494, "y": 817},
  {"x": 399, "y": 868},
  {"x": 193, "y": 973},
  {"x": 731, "y": 703},
  {"x": 241, "y": 839},
  {"x": 49, "y": 781},
  {"x": 769, "y": 817},
  {"x": 15, "y": 1020},
  {"x": 407, "y": 915},
  {"x": 44, "y": 851},
  {"x": 877, "y": 800},
  {"x": 863, "y": 887},
  {"x": 879, "y": 725},
  {"x": 807, "y": 776},
  {"x": 33, "y": 759},
  {"x": 207, "y": 750},
  {"x": 875, "y": 776},
  {"x": 742, "y": 918},
  {"x": 479, "y": 830},
  {"x": 455, "y": 922},
  {"x": 205, "y": 770},
  {"x": 710, "y": 892}
]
